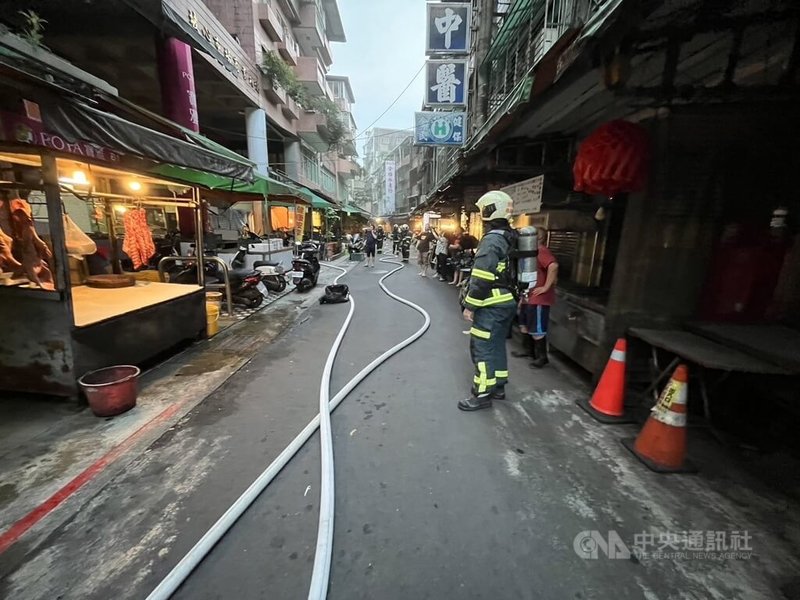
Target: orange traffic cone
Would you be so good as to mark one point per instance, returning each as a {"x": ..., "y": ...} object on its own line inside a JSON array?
[
  {"x": 661, "y": 444},
  {"x": 607, "y": 401}
]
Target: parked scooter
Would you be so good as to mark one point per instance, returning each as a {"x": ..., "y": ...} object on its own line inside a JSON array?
[
  {"x": 272, "y": 273},
  {"x": 356, "y": 246},
  {"x": 305, "y": 266},
  {"x": 244, "y": 282}
]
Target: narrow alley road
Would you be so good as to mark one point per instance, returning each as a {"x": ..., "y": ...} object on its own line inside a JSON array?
[{"x": 431, "y": 502}]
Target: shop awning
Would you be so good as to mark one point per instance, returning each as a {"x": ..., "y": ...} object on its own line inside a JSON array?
[
  {"x": 318, "y": 201},
  {"x": 260, "y": 185},
  {"x": 77, "y": 121},
  {"x": 352, "y": 208}
]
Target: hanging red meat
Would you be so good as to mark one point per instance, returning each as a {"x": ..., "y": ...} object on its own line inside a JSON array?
[
  {"x": 7, "y": 260},
  {"x": 33, "y": 250},
  {"x": 613, "y": 159},
  {"x": 138, "y": 244}
]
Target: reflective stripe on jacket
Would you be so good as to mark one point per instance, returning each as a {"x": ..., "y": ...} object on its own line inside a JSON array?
[{"x": 487, "y": 286}]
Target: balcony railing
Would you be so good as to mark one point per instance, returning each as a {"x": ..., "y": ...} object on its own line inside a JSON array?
[
  {"x": 527, "y": 37},
  {"x": 289, "y": 49},
  {"x": 271, "y": 21},
  {"x": 309, "y": 72}
]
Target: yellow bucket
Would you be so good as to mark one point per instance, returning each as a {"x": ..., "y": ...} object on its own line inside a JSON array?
[
  {"x": 212, "y": 319},
  {"x": 214, "y": 298}
]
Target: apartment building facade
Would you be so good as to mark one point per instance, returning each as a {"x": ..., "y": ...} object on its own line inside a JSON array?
[
  {"x": 299, "y": 139},
  {"x": 387, "y": 153},
  {"x": 198, "y": 63}
]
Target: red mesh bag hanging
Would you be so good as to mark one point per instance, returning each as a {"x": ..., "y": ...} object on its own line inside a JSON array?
[{"x": 613, "y": 159}]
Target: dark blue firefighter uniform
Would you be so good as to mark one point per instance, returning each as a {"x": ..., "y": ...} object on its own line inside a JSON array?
[{"x": 491, "y": 299}]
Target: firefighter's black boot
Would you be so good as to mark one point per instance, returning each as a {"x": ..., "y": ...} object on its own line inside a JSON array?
[
  {"x": 476, "y": 402},
  {"x": 527, "y": 348},
  {"x": 499, "y": 393},
  {"x": 540, "y": 353}
]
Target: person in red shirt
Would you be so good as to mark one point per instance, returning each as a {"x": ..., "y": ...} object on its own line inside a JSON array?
[{"x": 534, "y": 305}]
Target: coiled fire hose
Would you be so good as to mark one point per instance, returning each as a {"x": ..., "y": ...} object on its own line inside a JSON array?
[{"x": 322, "y": 558}]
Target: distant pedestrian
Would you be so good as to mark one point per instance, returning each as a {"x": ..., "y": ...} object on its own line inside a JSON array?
[
  {"x": 426, "y": 238},
  {"x": 395, "y": 239},
  {"x": 370, "y": 245},
  {"x": 442, "y": 244},
  {"x": 534, "y": 306}
]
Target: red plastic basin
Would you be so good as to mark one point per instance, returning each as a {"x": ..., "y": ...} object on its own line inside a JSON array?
[{"x": 111, "y": 391}]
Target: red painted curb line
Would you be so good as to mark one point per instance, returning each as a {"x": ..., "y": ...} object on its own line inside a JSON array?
[{"x": 18, "y": 529}]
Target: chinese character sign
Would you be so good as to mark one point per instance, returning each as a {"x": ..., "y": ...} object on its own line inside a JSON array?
[
  {"x": 389, "y": 187},
  {"x": 440, "y": 128},
  {"x": 448, "y": 27},
  {"x": 446, "y": 83}
]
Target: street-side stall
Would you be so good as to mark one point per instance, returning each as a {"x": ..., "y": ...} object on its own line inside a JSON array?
[{"x": 78, "y": 209}]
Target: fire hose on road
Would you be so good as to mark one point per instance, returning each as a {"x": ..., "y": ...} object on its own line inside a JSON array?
[{"x": 322, "y": 558}]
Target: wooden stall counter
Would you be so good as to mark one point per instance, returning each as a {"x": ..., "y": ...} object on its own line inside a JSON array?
[{"x": 95, "y": 305}]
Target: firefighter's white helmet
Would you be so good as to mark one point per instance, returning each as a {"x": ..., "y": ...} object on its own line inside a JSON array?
[{"x": 495, "y": 205}]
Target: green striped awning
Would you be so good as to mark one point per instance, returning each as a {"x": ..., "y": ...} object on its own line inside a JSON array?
[
  {"x": 519, "y": 15},
  {"x": 260, "y": 185},
  {"x": 318, "y": 201}
]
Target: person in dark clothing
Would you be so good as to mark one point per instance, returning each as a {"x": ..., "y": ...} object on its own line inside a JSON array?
[
  {"x": 426, "y": 238},
  {"x": 490, "y": 303},
  {"x": 370, "y": 246},
  {"x": 395, "y": 239}
]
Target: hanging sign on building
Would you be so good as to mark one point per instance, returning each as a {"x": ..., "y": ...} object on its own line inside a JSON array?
[
  {"x": 446, "y": 83},
  {"x": 440, "y": 128},
  {"x": 449, "y": 28},
  {"x": 527, "y": 195},
  {"x": 299, "y": 221},
  {"x": 390, "y": 187}
]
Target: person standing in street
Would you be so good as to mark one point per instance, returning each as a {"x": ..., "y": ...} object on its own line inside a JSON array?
[
  {"x": 490, "y": 303},
  {"x": 534, "y": 306},
  {"x": 395, "y": 239},
  {"x": 441, "y": 255},
  {"x": 370, "y": 245},
  {"x": 426, "y": 238}
]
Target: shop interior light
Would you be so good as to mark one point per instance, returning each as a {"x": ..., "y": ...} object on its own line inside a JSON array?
[
  {"x": 120, "y": 208},
  {"x": 78, "y": 180},
  {"x": 134, "y": 185}
]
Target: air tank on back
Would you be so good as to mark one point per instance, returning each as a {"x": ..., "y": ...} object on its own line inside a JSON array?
[{"x": 527, "y": 251}]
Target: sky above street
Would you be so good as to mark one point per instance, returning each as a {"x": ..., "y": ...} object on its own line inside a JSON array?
[{"x": 385, "y": 48}]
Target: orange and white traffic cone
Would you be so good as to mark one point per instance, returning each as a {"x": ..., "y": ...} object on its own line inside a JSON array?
[
  {"x": 661, "y": 444},
  {"x": 607, "y": 402}
]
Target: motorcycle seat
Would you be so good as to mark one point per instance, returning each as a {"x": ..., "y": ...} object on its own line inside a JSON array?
[
  {"x": 238, "y": 275},
  {"x": 266, "y": 263}
]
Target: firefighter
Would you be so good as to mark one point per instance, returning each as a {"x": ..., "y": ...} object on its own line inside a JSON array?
[{"x": 490, "y": 302}]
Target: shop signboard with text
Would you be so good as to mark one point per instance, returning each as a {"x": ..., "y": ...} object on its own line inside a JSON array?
[
  {"x": 299, "y": 221},
  {"x": 390, "y": 186},
  {"x": 448, "y": 28},
  {"x": 440, "y": 128},
  {"x": 25, "y": 130},
  {"x": 527, "y": 195},
  {"x": 446, "y": 83}
]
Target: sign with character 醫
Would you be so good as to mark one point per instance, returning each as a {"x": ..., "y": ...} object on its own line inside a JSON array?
[{"x": 446, "y": 83}]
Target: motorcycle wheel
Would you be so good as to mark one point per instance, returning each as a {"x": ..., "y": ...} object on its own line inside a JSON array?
[
  {"x": 304, "y": 285},
  {"x": 255, "y": 301},
  {"x": 275, "y": 285}
]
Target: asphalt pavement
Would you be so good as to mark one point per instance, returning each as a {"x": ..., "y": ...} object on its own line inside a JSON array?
[{"x": 431, "y": 502}]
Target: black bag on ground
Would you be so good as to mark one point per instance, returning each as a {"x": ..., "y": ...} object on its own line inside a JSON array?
[{"x": 335, "y": 294}]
